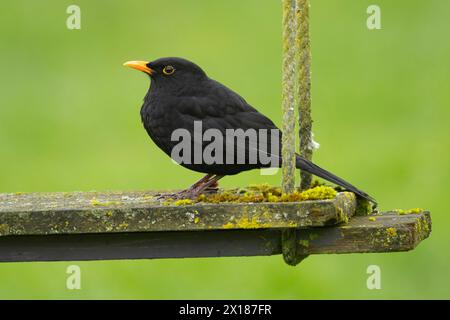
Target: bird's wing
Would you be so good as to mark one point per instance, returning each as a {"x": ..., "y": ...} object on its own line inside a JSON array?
[{"x": 221, "y": 109}]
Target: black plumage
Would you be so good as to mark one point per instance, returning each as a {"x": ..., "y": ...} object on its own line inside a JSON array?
[{"x": 181, "y": 93}]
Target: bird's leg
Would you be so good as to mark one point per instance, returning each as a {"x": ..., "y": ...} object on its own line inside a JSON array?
[
  {"x": 207, "y": 184},
  {"x": 192, "y": 189},
  {"x": 212, "y": 188},
  {"x": 211, "y": 183},
  {"x": 201, "y": 181}
]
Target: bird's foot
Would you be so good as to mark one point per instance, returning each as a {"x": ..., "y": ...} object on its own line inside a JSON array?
[{"x": 190, "y": 193}]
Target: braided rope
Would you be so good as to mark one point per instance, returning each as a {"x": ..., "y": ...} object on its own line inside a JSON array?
[
  {"x": 296, "y": 75},
  {"x": 288, "y": 97},
  {"x": 303, "y": 45}
]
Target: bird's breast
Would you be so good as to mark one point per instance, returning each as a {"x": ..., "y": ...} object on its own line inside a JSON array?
[{"x": 159, "y": 122}]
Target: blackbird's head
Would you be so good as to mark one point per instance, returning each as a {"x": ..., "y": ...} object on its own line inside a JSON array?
[{"x": 169, "y": 72}]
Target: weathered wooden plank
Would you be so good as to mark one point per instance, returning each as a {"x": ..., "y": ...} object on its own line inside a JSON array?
[
  {"x": 93, "y": 212},
  {"x": 139, "y": 245},
  {"x": 388, "y": 233},
  {"x": 385, "y": 232}
]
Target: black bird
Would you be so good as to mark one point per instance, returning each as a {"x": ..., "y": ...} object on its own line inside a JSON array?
[{"x": 180, "y": 94}]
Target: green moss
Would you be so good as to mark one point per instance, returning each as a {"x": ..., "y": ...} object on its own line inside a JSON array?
[
  {"x": 168, "y": 202},
  {"x": 313, "y": 236},
  {"x": 385, "y": 238},
  {"x": 392, "y": 232},
  {"x": 4, "y": 228},
  {"x": 95, "y": 202},
  {"x": 304, "y": 243},
  {"x": 264, "y": 188},
  {"x": 271, "y": 197},
  {"x": 289, "y": 246},
  {"x": 183, "y": 202},
  {"x": 419, "y": 225},
  {"x": 246, "y": 223},
  {"x": 409, "y": 211},
  {"x": 425, "y": 225},
  {"x": 342, "y": 216},
  {"x": 122, "y": 226},
  {"x": 372, "y": 219},
  {"x": 257, "y": 193},
  {"x": 319, "y": 193},
  {"x": 267, "y": 193},
  {"x": 363, "y": 207}
]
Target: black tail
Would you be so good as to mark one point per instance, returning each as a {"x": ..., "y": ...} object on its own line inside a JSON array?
[{"x": 310, "y": 167}]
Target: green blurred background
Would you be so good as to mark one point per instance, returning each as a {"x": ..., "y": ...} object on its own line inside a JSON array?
[{"x": 69, "y": 120}]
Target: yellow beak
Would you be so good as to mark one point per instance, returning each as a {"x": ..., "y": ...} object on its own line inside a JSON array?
[{"x": 139, "y": 65}]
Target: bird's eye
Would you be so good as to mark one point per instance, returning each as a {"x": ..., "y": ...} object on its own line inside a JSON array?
[{"x": 168, "y": 70}]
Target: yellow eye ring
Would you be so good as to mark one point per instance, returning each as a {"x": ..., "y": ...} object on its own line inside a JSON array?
[{"x": 168, "y": 70}]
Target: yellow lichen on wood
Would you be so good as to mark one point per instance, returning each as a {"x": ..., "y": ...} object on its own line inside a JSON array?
[
  {"x": 409, "y": 211},
  {"x": 266, "y": 193},
  {"x": 363, "y": 207},
  {"x": 391, "y": 232},
  {"x": 183, "y": 202},
  {"x": 319, "y": 193},
  {"x": 246, "y": 223},
  {"x": 96, "y": 202}
]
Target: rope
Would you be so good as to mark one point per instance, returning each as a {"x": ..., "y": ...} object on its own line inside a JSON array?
[
  {"x": 288, "y": 97},
  {"x": 296, "y": 73},
  {"x": 303, "y": 45},
  {"x": 296, "y": 90}
]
